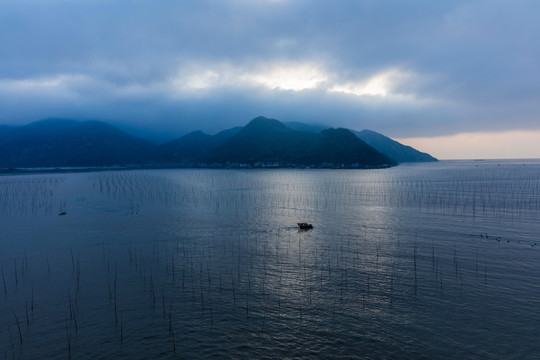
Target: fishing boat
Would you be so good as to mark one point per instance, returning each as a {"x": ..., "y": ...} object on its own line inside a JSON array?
[{"x": 304, "y": 226}]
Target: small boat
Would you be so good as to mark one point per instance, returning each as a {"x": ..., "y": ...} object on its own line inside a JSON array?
[
  {"x": 304, "y": 226},
  {"x": 62, "y": 213}
]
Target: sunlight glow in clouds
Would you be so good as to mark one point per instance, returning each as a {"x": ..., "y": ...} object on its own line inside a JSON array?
[
  {"x": 288, "y": 77},
  {"x": 295, "y": 77},
  {"x": 495, "y": 145},
  {"x": 380, "y": 84}
]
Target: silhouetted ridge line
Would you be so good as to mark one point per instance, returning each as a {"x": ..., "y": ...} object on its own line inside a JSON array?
[{"x": 263, "y": 142}]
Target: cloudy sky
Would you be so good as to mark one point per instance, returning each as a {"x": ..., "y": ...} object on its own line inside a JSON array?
[{"x": 458, "y": 79}]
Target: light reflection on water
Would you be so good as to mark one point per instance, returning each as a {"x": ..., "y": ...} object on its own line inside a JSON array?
[{"x": 209, "y": 263}]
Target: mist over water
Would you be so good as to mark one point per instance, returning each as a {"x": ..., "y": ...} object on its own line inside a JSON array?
[{"x": 435, "y": 260}]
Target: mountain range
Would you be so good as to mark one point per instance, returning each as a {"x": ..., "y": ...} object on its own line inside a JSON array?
[{"x": 262, "y": 142}]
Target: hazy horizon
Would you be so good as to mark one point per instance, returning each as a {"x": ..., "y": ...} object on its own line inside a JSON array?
[{"x": 456, "y": 79}]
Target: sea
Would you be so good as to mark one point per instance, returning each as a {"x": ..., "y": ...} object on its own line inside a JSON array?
[{"x": 419, "y": 261}]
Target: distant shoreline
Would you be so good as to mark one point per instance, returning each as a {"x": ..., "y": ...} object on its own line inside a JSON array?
[{"x": 80, "y": 169}]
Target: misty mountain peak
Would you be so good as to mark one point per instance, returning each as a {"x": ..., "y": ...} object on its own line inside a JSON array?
[{"x": 262, "y": 122}]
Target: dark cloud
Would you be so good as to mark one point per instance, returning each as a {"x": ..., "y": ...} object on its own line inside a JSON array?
[{"x": 457, "y": 66}]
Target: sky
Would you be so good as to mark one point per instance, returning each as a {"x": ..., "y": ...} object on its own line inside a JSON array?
[{"x": 457, "y": 79}]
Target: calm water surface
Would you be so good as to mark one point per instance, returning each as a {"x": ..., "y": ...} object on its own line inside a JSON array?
[{"x": 418, "y": 261}]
